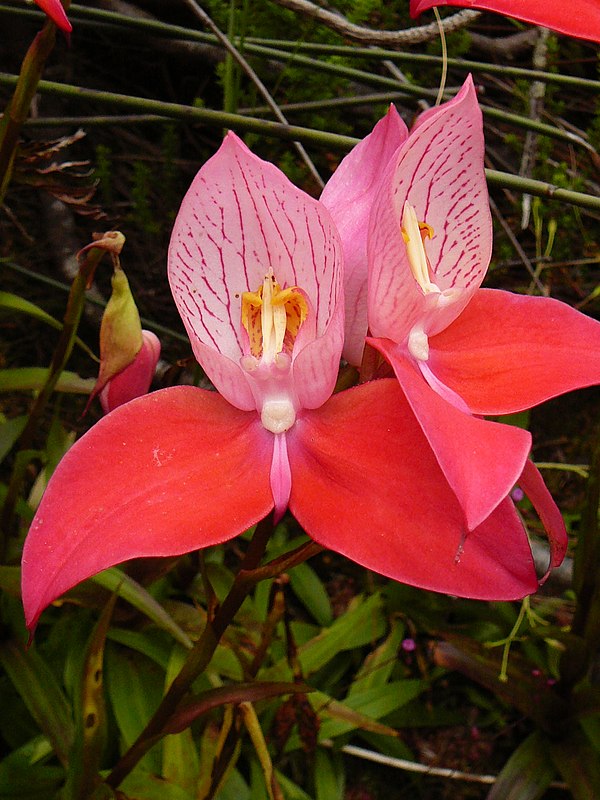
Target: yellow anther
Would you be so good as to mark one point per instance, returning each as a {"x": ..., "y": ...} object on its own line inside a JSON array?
[
  {"x": 414, "y": 234},
  {"x": 272, "y": 317}
]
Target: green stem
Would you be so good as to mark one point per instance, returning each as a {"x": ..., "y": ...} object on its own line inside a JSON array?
[
  {"x": 163, "y": 330},
  {"x": 61, "y": 355},
  {"x": 18, "y": 108},
  {"x": 92, "y": 17},
  {"x": 216, "y": 119},
  {"x": 238, "y": 122},
  {"x": 198, "y": 659}
]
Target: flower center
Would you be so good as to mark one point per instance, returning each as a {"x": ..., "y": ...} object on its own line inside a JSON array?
[
  {"x": 272, "y": 317},
  {"x": 414, "y": 234}
]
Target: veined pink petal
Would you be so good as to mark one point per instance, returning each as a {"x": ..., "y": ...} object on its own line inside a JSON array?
[
  {"x": 56, "y": 13},
  {"x": 136, "y": 378},
  {"x": 240, "y": 218},
  {"x": 439, "y": 171},
  {"x": 167, "y": 473},
  {"x": 580, "y": 18},
  {"x": 366, "y": 484},
  {"x": 481, "y": 460},
  {"x": 507, "y": 352},
  {"x": 348, "y": 195},
  {"x": 536, "y": 490}
]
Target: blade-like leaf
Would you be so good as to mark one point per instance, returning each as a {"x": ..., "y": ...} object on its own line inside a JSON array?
[
  {"x": 41, "y": 693},
  {"x": 90, "y": 739},
  {"x": 329, "y": 776},
  {"x": 378, "y": 665},
  {"x": 10, "y": 430},
  {"x": 180, "y": 759},
  {"x": 527, "y": 773},
  {"x": 135, "y": 688},
  {"x": 578, "y": 763},
  {"x": 309, "y": 589},
  {"x": 23, "y": 379},
  {"x": 364, "y": 710},
  {"x": 115, "y": 580},
  {"x": 13, "y": 302},
  {"x": 363, "y": 622}
]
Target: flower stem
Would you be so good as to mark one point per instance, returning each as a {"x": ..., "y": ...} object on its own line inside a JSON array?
[
  {"x": 198, "y": 659},
  {"x": 61, "y": 355},
  {"x": 18, "y": 109}
]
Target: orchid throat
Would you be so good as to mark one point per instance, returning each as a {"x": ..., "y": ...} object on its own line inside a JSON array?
[
  {"x": 415, "y": 234},
  {"x": 272, "y": 317}
]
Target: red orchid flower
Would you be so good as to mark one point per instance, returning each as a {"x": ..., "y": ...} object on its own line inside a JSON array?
[
  {"x": 484, "y": 478},
  {"x": 256, "y": 271},
  {"x": 580, "y": 18},
  {"x": 54, "y": 9},
  {"x": 459, "y": 351}
]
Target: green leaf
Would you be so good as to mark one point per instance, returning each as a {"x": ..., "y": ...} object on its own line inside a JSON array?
[
  {"x": 541, "y": 703},
  {"x": 41, "y": 693},
  {"x": 10, "y": 580},
  {"x": 135, "y": 688},
  {"x": 155, "y": 647},
  {"x": 258, "y": 789},
  {"x": 328, "y": 776},
  {"x": 310, "y": 591},
  {"x": 378, "y": 665},
  {"x": 591, "y": 727},
  {"x": 21, "y": 379},
  {"x": 290, "y": 789},
  {"x": 13, "y": 302},
  {"x": 527, "y": 773},
  {"x": 363, "y": 622},
  {"x": 578, "y": 763},
  {"x": 9, "y": 433},
  {"x": 180, "y": 762},
  {"x": 22, "y": 780},
  {"x": 90, "y": 739},
  {"x": 235, "y": 788},
  {"x": 142, "y": 784},
  {"x": 363, "y": 710},
  {"x": 115, "y": 580}
]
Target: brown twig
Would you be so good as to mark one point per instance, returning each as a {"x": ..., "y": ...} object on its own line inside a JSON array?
[{"x": 393, "y": 39}]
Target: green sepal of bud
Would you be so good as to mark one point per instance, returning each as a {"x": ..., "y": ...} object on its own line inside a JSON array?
[{"x": 120, "y": 332}]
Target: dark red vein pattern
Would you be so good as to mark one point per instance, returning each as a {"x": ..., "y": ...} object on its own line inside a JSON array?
[
  {"x": 440, "y": 172},
  {"x": 241, "y": 217}
]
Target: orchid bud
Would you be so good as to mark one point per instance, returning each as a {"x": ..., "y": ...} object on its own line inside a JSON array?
[
  {"x": 136, "y": 378},
  {"x": 128, "y": 355}
]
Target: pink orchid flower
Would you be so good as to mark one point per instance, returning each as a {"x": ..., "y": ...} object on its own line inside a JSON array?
[
  {"x": 482, "y": 480},
  {"x": 256, "y": 271},
  {"x": 349, "y": 195},
  {"x": 54, "y": 9},
  {"x": 580, "y": 18},
  {"x": 459, "y": 351},
  {"x": 135, "y": 379}
]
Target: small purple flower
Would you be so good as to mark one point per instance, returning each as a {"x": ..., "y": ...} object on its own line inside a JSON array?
[{"x": 409, "y": 645}]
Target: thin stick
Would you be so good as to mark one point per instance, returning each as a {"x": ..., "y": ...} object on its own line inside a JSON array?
[{"x": 235, "y": 53}]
